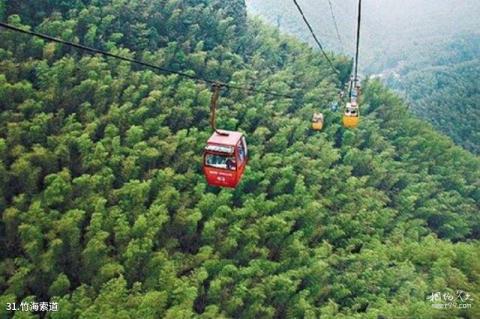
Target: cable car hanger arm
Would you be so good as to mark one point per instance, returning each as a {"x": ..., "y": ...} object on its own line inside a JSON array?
[
  {"x": 357, "y": 48},
  {"x": 213, "y": 107}
]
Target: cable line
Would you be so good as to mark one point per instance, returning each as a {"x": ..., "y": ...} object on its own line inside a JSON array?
[
  {"x": 91, "y": 50},
  {"x": 336, "y": 26},
  {"x": 315, "y": 37},
  {"x": 354, "y": 79},
  {"x": 359, "y": 20}
]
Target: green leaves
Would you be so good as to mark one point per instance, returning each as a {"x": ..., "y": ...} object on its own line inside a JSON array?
[
  {"x": 60, "y": 286},
  {"x": 58, "y": 188}
]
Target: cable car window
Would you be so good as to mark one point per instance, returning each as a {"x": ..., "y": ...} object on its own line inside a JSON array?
[
  {"x": 241, "y": 152},
  {"x": 244, "y": 143},
  {"x": 220, "y": 148},
  {"x": 317, "y": 117},
  {"x": 219, "y": 161}
]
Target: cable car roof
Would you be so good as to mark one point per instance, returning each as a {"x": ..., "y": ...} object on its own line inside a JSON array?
[{"x": 231, "y": 139}]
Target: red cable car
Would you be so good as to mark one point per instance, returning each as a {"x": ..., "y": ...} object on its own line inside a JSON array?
[{"x": 225, "y": 158}]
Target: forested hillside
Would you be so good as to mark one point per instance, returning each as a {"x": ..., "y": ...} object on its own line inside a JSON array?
[
  {"x": 441, "y": 84},
  {"x": 428, "y": 50},
  {"x": 104, "y": 208},
  {"x": 392, "y": 30}
]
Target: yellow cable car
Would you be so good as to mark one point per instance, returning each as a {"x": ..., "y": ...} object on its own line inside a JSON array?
[
  {"x": 351, "y": 117},
  {"x": 317, "y": 121}
]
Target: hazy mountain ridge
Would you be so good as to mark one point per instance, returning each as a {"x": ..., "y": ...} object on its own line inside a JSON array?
[
  {"x": 442, "y": 88},
  {"x": 404, "y": 42}
]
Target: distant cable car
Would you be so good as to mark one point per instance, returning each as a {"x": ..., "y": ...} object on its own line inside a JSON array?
[
  {"x": 317, "y": 121},
  {"x": 225, "y": 156},
  {"x": 358, "y": 89},
  {"x": 351, "y": 117},
  {"x": 334, "y": 106}
]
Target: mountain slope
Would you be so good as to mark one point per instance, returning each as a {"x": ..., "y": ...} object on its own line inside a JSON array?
[
  {"x": 104, "y": 208},
  {"x": 401, "y": 42},
  {"x": 440, "y": 83},
  {"x": 391, "y": 30}
]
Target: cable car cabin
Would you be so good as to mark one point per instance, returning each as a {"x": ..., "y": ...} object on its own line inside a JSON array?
[
  {"x": 358, "y": 89},
  {"x": 225, "y": 158},
  {"x": 317, "y": 121},
  {"x": 351, "y": 117}
]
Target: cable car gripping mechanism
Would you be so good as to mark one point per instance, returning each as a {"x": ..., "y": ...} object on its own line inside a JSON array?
[{"x": 213, "y": 107}]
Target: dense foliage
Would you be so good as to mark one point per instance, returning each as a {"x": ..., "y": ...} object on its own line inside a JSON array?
[
  {"x": 401, "y": 43},
  {"x": 441, "y": 84},
  {"x": 104, "y": 208}
]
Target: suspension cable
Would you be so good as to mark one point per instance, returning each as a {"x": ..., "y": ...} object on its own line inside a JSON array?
[
  {"x": 249, "y": 88},
  {"x": 315, "y": 37},
  {"x": 354, "y": 79},
  {"x": 359, "y": 20},
  {"x": 336, "y": 26}
]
